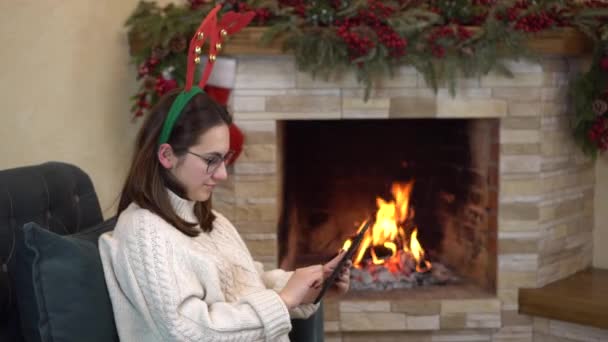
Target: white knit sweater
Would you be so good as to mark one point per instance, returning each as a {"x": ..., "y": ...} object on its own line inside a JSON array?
[{"x": 166, "y": 286}]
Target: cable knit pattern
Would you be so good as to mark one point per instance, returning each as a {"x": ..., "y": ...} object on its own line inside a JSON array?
[{"x": 166, "y": 286}]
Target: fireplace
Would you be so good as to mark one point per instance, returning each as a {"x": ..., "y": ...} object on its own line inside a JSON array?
[
  {"x": 428, "y": 186},
  {"x": 533, "y": 230}
]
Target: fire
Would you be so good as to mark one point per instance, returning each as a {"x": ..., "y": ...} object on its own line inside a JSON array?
[{"x": 386, "y": 242}]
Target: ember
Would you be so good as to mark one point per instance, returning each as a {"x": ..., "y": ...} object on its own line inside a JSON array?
[{"x": 390, "y": 255}]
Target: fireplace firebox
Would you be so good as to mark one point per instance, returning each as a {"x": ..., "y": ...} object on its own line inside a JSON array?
[{"x": 429, "y": 186}]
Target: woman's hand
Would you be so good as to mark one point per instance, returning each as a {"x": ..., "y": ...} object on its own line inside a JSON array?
[
  {"x": 342, "y": 283},
  {"x": 303, "y": 286}
]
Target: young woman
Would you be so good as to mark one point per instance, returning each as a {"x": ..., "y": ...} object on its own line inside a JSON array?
[{"x": 176, "y": 270}]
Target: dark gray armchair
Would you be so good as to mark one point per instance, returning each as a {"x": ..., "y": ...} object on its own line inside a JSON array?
[{"x": 55, "y": 195}]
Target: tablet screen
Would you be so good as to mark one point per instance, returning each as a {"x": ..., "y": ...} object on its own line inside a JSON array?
[{"x": 347, "y": 256}]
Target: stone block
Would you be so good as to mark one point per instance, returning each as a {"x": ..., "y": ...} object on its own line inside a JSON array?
[
  {"x": 256, "y": 212},
  {"x": 287, "y": 115},
  {"x": 516, "y": 279},
  {"x": 305, "y": 80},
  {"x": 520, "y": 123},
  {"x": 258, "y": 248},
  {"x": 517, "y": 246},
  {"x": 483, "y": 320},
  {"x": 357, "y": 108},
  {"x": 245, "y": 227},
  {"x": 519, "y": 136},
  {"x": 261, "y": 189},
  {"x": 518, "y": 262},
  {"x": 365, "y": 306},
  {"x": 453, "y": 321},
  {"x": 257, "y": 168},
  {"x": 520, "y": 187},
  {"x": 519, "y": 79},
  {"x": 303, "y": 104},
  {"x": 553, "y": 108},
  {"x": 402, "y": 77},
  {"x": 553, "y": 94},
  {"x": 275, "y": 72},
  {"x": 514, "y": 318},
  {"x": 386, "y": 336},
  {"x": 519, "y": 211},
  {"x": 331, "y": 310},
  {"x": 412, "y": 107},
  {"x": 416, "y": 307},
  {"x": 577, "y": 332},
  {"x": 462, "y": 336},
  {"x": 525, "y": 109},
  {"x": 258, "y": 153},
  {"x": 513, "y": 334},
  {"x": 519, "y": 149},
  {"x": 520, "y": 164},
  {"x": 519, "y": 94},
  {"x": 422, "y": 322},
  {"x": 248, "y": 103},
  {"x": 372, "y": 321},
  {"x": 560, "y": 208},
  {"x": 470, "y": 108},
  {"x": 450, "y": 306}
]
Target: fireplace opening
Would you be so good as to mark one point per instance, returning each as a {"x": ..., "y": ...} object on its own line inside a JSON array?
[{"x": 429, "y": 186}]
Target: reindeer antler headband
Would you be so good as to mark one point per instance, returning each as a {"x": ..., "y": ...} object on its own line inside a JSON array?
[{"x": 210, "y": 30}]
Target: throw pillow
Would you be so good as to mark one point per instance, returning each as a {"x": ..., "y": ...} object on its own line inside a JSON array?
[{"x": 61, "y": 290}]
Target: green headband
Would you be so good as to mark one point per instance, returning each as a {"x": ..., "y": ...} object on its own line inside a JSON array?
[{"x": 176, "y": 108}]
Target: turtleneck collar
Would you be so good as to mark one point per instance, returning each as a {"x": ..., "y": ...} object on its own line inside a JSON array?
[{"x": 183, "y": 207}]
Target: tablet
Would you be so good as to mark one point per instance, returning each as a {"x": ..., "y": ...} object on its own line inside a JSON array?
[{"x": 347, "y": 256}]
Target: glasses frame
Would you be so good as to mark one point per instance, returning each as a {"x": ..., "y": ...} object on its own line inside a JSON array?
[{"x": 212, "y": 165}]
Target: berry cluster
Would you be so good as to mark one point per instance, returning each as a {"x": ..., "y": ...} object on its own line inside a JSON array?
[
  {"x": 262, "y": 14},
  {"x": 598, "y": 134},
  {"x": 441, "y": 35},
  {"x": 534, "y": 22},
  {"x": 141, "y": 104},
  {"x": 163, "y": 85},
  {"x": 194, "y": 4},
  {"x": 299, "y": 6},
  {"x": 595, "y": 4},
  {"x": 359, "y": 31},
  {"x": 531, "y": 22},
  {"x": 147, "y": 67}
]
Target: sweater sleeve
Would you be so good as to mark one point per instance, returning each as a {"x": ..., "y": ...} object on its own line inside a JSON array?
[
  {"x": 180, "y": 313},
  {"x": 276, "y": 280}
]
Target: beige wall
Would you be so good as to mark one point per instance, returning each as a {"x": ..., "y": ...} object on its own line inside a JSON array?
[
  {"x": 600, "y": 238},
  {"x": 65, "y": 84}
]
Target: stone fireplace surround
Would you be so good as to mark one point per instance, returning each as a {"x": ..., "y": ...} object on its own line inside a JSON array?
[{"x": 545, "y": 209}]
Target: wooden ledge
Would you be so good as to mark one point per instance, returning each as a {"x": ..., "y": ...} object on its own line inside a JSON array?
[
  {"x": 581, "y": 298},
  {"x": 565, "y": 42}
]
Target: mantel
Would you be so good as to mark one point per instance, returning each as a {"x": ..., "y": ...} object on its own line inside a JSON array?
[{"x": 566, "y": 42}]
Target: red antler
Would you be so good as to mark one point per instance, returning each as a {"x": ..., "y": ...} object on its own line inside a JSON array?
[{"x": 210, "y": 30}]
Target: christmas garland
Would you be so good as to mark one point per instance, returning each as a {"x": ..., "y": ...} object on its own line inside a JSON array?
[{"x": 443, "y": 39}]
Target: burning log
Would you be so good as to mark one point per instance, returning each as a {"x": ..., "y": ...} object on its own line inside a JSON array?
[{"x": 390, "y": 255}]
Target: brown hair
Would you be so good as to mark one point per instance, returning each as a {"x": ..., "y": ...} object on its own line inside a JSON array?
[{"x": 147, "y": 178}]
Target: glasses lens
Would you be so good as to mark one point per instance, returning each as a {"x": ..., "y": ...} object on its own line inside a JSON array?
[
  {"x": 214, "y": 163},
  {"x": 228, "y": 157}
]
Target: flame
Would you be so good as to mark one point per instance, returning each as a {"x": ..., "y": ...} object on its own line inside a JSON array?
[{"x": 388, "y": 234}]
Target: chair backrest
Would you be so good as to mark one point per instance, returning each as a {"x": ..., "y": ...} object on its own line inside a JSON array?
[{"x": 55, "y": 195}]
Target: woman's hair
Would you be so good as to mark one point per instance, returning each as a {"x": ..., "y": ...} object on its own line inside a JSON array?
[{"x": 147, "y": 179}]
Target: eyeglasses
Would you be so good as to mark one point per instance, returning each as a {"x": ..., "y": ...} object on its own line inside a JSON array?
[{"x": 214, "y": 160}]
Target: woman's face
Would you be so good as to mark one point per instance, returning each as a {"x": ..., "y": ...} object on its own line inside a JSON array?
[{"x": 202, "y": 167}]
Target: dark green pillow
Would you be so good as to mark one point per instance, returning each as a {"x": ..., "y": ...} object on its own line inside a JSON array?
[{"x": 61, "y": 290}]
